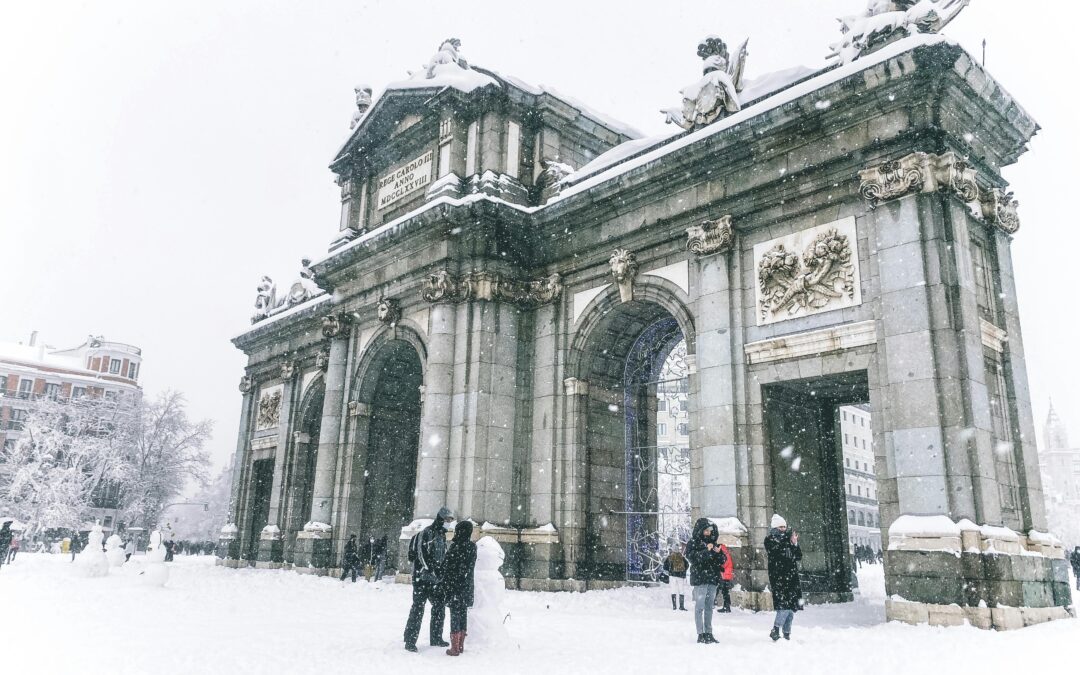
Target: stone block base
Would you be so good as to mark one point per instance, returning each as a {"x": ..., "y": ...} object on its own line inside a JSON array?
[
  {"x": 998, "y": 618},
  {"x": 266, "y": 565}
]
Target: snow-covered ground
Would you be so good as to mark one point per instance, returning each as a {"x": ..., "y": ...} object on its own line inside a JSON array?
[{"x": 209, "y": 619}]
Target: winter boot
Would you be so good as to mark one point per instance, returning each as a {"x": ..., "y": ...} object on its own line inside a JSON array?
[
  {"x": 775, "y": 634},
  {"x": 787, "y": 636},
  {"x": 440, "y": 643},
  {"x": 701, "y": 638},
  {"x": 461, "y": 641},
  {"x": 673, "y": 602},
  {"x": 726, "y": 609},
  {"x": 410, "y": 647},
  {"x": 455, "y": 643},
  {"x": 709, "y": 639},
  {"x": 682, "y": 599}
]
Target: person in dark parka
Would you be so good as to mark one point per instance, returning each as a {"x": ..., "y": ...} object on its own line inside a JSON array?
[
  {"x": 1074, "y": 559},
  {"x": 427, "y": 553},
  {"x": 350, "y": 560},
  {"x": 706, "y": 573},
  {"x": 782, "y": 548},
  {"x": 5, "y": 540},
  {"x": 457, "y": 584}
]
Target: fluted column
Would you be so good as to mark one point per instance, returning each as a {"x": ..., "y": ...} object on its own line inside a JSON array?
[{"x": 434, "y": 450}]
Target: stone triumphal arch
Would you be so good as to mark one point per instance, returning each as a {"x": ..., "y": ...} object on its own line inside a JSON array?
[{"x": 581, "y": 339}]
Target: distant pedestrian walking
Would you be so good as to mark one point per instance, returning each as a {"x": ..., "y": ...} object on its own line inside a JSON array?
[
  {"x": 170, "y": 550},
  {"x": 782, "y": 548},
  {"x": 1074, "y": 558},
  {"x": 351, "y": 560},
  {"x": 427, "y": 553},
  {"x": 15, "y": 544},
  {"x": 5, "y": 540},
  {"x": 457, "y": 584},
  {"x": 76, "y": 545},
  {"x": 378, "y": 553},
  {"x": 706, "y": 571},
  {"x": 675, "y": 564}
]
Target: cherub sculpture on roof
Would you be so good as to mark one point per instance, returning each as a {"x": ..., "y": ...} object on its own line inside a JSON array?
[
  {"x": 716, "y": 94},
  {"x": 886, "y": 20}
]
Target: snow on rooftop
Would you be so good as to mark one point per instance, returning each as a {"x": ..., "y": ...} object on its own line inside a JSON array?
[
  {"x": 445, "y": 76},
  {"x": 603, "y": 171},
  {"x": 296, "y": 309}
]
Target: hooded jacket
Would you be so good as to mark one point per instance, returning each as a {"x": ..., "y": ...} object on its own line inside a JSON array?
[
  {"x": 457, "y": 579},
  {"x": 706, "y": 567},
  {"x": 431, "y": 552},
  {"x": 784, "y": 557}
]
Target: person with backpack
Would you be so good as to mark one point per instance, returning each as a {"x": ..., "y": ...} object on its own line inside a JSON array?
[
  {"x": 782, "y": 548},
  {"x": 727, "y": 579},
  {"x": 427, "y": 553},
  {"x": 457, "y": 584},
  {"x": 706, "y": 571},
  {"x": 675, "y": 566}
]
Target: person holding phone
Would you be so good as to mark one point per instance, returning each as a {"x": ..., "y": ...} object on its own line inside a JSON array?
[
  {"x": 706, "y": 571},
  {"x": 782, "y": 548}
]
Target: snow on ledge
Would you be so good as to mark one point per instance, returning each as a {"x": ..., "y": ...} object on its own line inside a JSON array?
[
  {"x": 728, "y": 525},
  {"x": 1043, "y": 538},
  {"x": 317, "y": 300},
  {"x": 770, "y": 103},
  {"x": 924, "y": 526},
  {"x": 315, "y": 526}
]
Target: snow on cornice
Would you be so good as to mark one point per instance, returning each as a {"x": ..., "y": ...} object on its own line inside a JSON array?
[
  {"x": 764, "y": 105},
  {"x": 292, "y": 311}
]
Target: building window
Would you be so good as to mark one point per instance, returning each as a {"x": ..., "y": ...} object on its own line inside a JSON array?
[
  {"x": 862, "y": 421},
  {"x": 661, "y": 405},
  {"x": 133, "y": 368},
  {"x": 444, "y": 159},
  {"x": 859, "y": 518},
  {"x": 3, "y": 385},
  {"x": 52, "y": 391},
  {"x": 846, "y": 442},
  {"x": 849, "y": 491},
  {"x": 9, "y": 444},
  {"x": 985, "y": 296},
  {"x": 858, "y": 489},
  {"x": 661, "y": 429},
  {"x": 513, "y": 149},
  {"x": 470, "y": 148},
  {"x": 114, "y": 366},
  {"x": 847, "y": 462},
  {"x": 18, "y": 419},
  {"x": 684, "y": 429},
  {"x": 845, "y": 416},
  {"x": 25, "y": 388},
  {"x": 78, "y": 392},
  {"x": 851, "y": 517}
]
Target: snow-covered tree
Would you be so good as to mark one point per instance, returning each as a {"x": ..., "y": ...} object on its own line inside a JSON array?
[
  {"x": 166, "y": 452},
  {"x": 68, "y": 450}
]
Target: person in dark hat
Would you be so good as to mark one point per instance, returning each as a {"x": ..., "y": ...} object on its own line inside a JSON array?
[
  {"x": 5, "y": 541},
  {"x": 427, "y": 553},
  {"x": 457, "y": 583}
]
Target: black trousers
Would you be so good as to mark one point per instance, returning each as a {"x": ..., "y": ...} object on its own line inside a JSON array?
[
  {"x": 422, "y": 593},
  {"x": 346, "y": 570},
  {"x": 725, "y": 590},
  {"x": 459, "y": 616}
]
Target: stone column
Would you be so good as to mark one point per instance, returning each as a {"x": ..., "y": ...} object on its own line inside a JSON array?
[
  {"x": 271, "y": 545},
  {"x": 230, "y": 548},
  {"x": 573, "y": 467},
  {"x": 314, "y": 545},
  {"x": 431, "y": 468}
]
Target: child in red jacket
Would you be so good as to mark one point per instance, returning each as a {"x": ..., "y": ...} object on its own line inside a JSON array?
[{"x": 727, "y": 580}]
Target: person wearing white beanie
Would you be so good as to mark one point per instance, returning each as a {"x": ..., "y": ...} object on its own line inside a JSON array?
[{"x": 782, "y": 548}]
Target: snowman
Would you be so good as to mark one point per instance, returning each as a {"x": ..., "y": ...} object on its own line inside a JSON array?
[
  {"x": 114, "y": 550},
  {"x": 154, "y": 572},
  {"x": 487, "y": 617},
  {"x": 91, "y": 562}
]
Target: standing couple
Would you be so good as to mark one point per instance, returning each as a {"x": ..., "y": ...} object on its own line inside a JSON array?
[{"x": 442, "y": 575}]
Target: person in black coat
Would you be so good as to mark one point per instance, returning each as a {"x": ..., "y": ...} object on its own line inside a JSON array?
[
  {"x": 351, "y": 560},
  {"x": 782, "y": 548},
  {"x": 706, "y": 572},
  {"x": 1074, "y": 559},
  {"x": 76, "y": 545},
  {"x": 427, "y": 553},
  {"x": 5, "y": 540},
  {"x": 457, "y": 584}
]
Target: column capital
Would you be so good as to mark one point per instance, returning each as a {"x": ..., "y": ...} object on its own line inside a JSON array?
[
  {"x": 711, "y": 236},
  {"x": 335, "y": 325}
]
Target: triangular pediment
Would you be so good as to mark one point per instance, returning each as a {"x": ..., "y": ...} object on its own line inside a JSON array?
[{"x": 394, "y": 113}]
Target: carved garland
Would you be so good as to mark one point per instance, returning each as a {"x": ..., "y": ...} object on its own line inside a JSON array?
[
  {"x": 824, "y": 273},
  {"x": 926, "y": 172},
  {"x": 269, "y": 410},
  {"x": 442, "y": 286},
  {"x": 711, "y": 236}
]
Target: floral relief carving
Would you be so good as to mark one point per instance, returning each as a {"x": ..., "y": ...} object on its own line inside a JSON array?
[
  {"x": 824, "y": 276},
  {"x": 269, "y": 410},
  {"x": 442, "y": 286}
]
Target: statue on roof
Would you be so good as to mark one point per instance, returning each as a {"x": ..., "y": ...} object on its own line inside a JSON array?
[
  {"x": 363, "y": 102},
  {"x": 268, "y": 302},
  {"x": 449, "y": 52},
  {"x": 887, "y": 20},
  {"x": 716, "y": 94}
]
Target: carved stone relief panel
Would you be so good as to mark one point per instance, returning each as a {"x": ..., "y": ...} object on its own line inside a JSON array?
[
  {"x": 269, "y": 408},
  {"x": 808, "y": 272}
]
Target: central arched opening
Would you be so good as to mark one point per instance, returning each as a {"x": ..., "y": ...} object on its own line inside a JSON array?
[
  {"x": 300, "y": 485},
  {"x": 393, "y": 438},
  {"x": 637, "y": 436}
]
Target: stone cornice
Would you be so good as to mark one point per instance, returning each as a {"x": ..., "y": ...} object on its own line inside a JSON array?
[{"x": 834, "y": 338}]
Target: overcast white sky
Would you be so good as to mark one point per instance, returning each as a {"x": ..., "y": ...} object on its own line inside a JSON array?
[{"x": 156, "y": 158}]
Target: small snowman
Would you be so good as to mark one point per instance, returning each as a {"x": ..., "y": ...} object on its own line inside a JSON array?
[
  {"x": 487, "y": 617},
  {"x": 91, "y": 562},
  {"x": 114, "y": 550},
  {"x": 154, "y": 572}
]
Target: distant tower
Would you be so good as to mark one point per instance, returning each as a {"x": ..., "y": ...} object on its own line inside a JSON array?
[{"x": 1054, "y": 432}]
